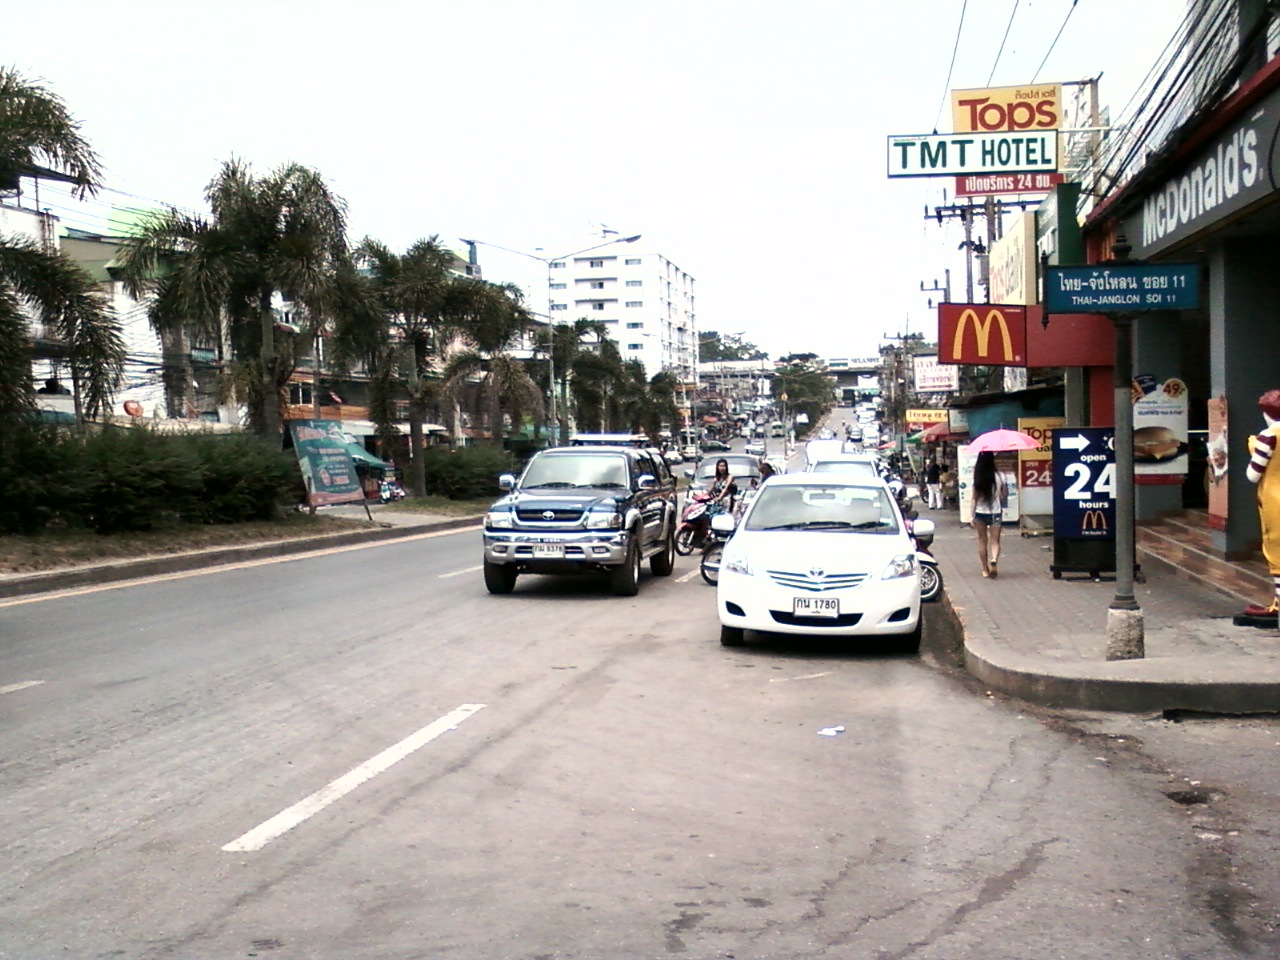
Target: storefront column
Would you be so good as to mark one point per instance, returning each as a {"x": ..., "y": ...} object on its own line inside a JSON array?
[
  {"x": 1244, "y": 363},
  {"x": 1157, "y": 350}
]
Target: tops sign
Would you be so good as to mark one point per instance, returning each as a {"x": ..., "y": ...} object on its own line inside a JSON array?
[
  {"x": 959, "y": 154},
  {"x": 1007, "y": 108}
]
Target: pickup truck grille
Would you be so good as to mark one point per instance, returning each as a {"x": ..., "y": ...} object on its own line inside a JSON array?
[{"x": 558, "y": 517}]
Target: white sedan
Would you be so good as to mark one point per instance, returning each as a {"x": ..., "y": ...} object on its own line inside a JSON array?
[{"x": 820, "y": 554}]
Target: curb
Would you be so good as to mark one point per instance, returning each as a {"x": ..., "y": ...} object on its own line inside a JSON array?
[
  {"x": 983, "y": 659},
  {"x": 22, "y": 585}
]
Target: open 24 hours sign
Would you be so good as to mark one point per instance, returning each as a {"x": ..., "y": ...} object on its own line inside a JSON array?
[{"x": 1084, "y": 483}]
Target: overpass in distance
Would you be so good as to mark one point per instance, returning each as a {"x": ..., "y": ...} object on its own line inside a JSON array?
[{"x": 849, "y": 371}]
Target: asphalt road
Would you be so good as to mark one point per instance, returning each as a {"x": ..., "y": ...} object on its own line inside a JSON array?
[{"x": 364, "y": 755}]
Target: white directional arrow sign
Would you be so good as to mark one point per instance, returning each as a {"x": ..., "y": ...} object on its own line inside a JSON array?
[{"x": 1078, "y": 442}]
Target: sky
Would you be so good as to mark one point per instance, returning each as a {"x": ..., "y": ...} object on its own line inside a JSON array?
[{"x": 745, "y": 141}]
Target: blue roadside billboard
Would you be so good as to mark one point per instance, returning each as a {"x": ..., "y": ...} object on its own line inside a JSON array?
[{"x": 1084, "y": 483}]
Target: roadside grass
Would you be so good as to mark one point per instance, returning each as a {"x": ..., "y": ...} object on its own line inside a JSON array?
[
  {"x": 57, "y": 549},
  {"x": 441, "y": 506}
]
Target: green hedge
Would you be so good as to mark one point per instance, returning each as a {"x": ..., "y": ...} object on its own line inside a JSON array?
[
  {"x": 467, "y": 473},
  {"x": 125, "y": 479}
]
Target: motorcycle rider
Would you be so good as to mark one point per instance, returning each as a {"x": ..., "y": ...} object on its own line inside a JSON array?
[{"x": 723, "y": 488}]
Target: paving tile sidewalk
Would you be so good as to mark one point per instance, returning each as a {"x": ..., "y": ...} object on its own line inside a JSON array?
[{"x": 1044, "y": 640}]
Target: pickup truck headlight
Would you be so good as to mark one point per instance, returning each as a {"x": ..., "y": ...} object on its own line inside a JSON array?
[
  {"x": 903, "y": 565},
  {"x": 604, "y": 520},
  {"x": 499, "y": 519}
]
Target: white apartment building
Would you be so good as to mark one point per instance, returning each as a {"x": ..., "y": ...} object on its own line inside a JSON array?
[{"x": 645, "y": 300}]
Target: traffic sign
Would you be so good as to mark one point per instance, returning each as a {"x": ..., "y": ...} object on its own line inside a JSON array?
[
  {"x": 1084, "y": 483},
  {"x": 1112, "y": 287}
]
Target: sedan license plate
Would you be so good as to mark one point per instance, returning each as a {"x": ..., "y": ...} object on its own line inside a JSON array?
[
  {"x": 816, "y": 607},
  {"x": 548, "y": 551}
]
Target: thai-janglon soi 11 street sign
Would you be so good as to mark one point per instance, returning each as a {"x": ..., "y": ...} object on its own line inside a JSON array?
[
  {"x": 958, "y": 154},
  {"x": 1104, "y": 288}
]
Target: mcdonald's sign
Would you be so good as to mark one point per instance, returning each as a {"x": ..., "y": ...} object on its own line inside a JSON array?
[
  {"x": 1093, "y": 521},
  {"x": 991, "y": 334}
]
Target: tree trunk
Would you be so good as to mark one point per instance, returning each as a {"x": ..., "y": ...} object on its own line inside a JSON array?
[
  {"x": 417, "y": 466},
  {"x": 270, "y": 393}
]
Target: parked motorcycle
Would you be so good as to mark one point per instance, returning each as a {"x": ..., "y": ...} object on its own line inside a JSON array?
[
  {"x": 721, "y": 531},
  {"x": 695, "y": 523},
  {"x": 930, "y": 575}
]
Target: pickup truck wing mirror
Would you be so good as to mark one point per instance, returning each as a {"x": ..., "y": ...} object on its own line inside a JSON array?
[
  {"x": 646, "y": 481},
  {"x": 507, "y": 481}
]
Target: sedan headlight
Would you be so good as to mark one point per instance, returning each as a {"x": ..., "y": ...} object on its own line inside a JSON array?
[
  {"x": 604, "y": 520},
  {"x": 736, "y": 561},
  {"x": 499, "y": 519},
  {"x": 903, "y": 565}
]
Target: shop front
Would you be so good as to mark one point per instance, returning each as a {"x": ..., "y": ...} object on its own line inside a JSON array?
[{"x": 1213, "y": 203}]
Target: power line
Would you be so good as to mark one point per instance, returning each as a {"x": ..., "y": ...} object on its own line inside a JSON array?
[
  {"x": 1003, "y": 40},
  {"x": 946, "y": 87},
  {"x": 1055, "y": 40}
]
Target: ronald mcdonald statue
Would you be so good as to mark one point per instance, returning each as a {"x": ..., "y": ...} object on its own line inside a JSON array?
[{"x": 1264, "y": 470}]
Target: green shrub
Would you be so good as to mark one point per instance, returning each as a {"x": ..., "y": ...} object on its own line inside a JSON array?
[
  {"x": 115, "y": 480},
  {"x": 467, "y": 473}
]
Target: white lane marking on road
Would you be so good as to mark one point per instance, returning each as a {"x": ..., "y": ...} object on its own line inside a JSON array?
[
  {"x": 458, "y": 573},
  {"x": 222, "y": 568},
  {"x": 15, "y": 687},
  {"x": 689, "y": 576},
  {"x": 807, "y": 676},
  {"x": 286, "y": 820}
]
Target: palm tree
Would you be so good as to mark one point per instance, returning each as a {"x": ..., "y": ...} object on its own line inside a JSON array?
[
  {"x": 399, "y": 341},
  {"x": 566, "y": 343},
  {"x": 37, "y": 132},
  {"x": 281, "y": 234},
  {"x": 489, "y": 319}
]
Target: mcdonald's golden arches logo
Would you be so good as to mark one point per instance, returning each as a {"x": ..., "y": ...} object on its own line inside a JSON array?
[
  {"x": 982, "y": 333},
  {"x": 1094, "y": 521}
]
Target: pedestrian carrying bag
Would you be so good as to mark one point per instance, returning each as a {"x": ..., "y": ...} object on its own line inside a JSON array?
[{"x": 1004, "y": 492}]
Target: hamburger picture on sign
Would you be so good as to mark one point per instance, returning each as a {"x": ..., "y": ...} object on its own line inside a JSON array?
[{"x": 1159, "y": 428}]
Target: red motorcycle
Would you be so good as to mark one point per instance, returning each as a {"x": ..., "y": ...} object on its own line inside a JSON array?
[{"x": 694, "y": 530}]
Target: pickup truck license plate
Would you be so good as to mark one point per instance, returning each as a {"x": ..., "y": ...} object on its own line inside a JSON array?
[
  {"x": 548, "y": 551},
  {"x": 816, "y": 607}
]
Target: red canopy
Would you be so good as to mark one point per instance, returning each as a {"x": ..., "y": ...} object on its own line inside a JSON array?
[{"x": 940, "y": 431}]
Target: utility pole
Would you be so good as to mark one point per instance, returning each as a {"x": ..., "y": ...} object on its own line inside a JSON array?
[
  {"x": 993, "y": 210},
  {"x": 898, "y": 381},
  {"x": 945, "y": 289}
]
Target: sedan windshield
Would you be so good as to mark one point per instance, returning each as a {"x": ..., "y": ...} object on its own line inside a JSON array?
[
  {"x": 576, "y": 470},
  {"x": 738, "y": 468},
  {"x": 822, "y": 507}
]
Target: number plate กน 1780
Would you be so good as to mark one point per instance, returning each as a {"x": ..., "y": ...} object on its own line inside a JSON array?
[{"x": 816, "y": 607}]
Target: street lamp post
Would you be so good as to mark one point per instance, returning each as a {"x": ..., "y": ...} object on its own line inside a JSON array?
[{"x": 557, "y": 431}]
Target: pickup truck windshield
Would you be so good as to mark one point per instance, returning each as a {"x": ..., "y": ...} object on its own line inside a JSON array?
[{"x": 569, "y": 470}]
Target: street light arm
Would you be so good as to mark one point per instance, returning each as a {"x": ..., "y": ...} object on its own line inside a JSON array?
[{"x": 563, "y": 256}]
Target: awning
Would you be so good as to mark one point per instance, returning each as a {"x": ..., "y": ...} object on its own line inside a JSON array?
[
  {"x": 941, "y": 431},
  {"x": 367, "y": 428},
  {"x": 360, "y": 455}
]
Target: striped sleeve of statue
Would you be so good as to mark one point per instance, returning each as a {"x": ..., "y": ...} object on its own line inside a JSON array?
[{"x": 1263, "y": 448}]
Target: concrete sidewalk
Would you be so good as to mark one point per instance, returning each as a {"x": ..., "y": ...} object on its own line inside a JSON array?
[{"x": 1044, "y": 640}]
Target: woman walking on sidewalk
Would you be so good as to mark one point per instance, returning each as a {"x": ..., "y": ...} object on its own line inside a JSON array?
[{"x": 990, "y": 496}]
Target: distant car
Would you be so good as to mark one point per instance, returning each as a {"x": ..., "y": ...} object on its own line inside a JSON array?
[
  {"x": 755, "y": 448},
  {"x": 713, "y": 446},
  {"x": 673, "y": 457},
  {"x": 689, "y": 452},
  {"x": 826, "y": 434},
  {"x": 819, "y": 555}
]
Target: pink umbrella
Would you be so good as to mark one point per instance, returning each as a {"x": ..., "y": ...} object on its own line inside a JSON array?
[{"x": 1002, "y": 441}]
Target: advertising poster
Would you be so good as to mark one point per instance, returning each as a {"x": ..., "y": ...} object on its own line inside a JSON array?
[
  {"x": 1217, "y": 473},
  {"x": 1159, "y": 430},
  {"x": 1035, "y": 467},
  {"x": 327, "y": 468},
  {"x": 1084, "y": 492}
]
